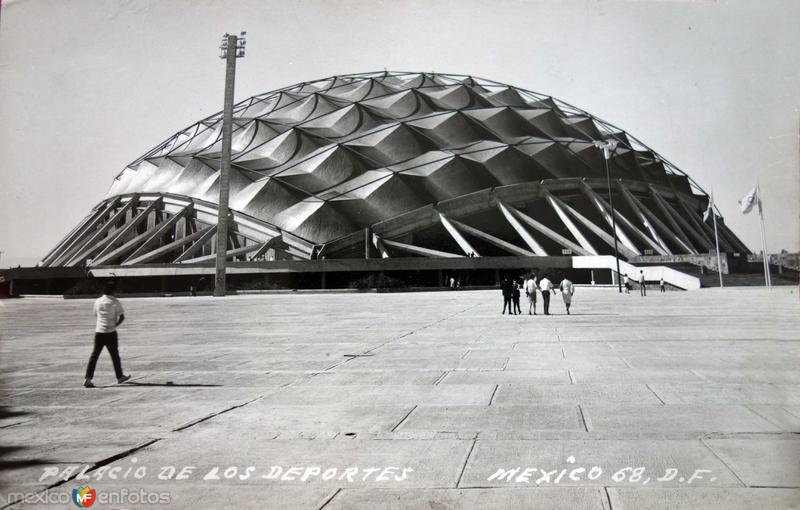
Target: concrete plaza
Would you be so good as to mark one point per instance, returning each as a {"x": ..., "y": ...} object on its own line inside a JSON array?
[{"x": 409, "y": 400}]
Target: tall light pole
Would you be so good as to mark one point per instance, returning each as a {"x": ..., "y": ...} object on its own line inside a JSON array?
[
  {"x": 232, "y": 47},
  {"x": 608, "y": 146}
]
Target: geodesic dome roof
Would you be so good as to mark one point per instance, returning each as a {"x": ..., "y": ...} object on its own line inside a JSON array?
[{"x": 317, "y": 162}]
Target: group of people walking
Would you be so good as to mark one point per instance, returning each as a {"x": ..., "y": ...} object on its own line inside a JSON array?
[{"x": 532, "y": 285}]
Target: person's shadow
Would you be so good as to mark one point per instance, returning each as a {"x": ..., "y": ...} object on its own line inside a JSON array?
[
  {"x": 169, "y": 384},
  {"x": 6, "y": 464}
]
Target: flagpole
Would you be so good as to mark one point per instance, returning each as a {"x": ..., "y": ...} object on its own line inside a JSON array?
[
  {"x": 716, "y": 238},
  {"x": 765, "y": 257}
]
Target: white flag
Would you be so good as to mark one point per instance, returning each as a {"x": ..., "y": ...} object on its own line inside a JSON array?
[{"x": 749, "y": 201}]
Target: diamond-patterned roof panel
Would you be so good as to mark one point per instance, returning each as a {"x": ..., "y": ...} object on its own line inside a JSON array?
[
  {"x": 507, "y": 96},
  {"x": 264, "y": 198},
  {"x": 190, "y": 178},
  {"x": 451, "y": 130},
  {"x": 374, "y": 196},
  {"x": 237, "y": 183},
  {"x": 442, "y": 175},
  {"x": 387, "y": 146},
  {"x": 453, "y": 97},
  {"x": 504, "y": 122},
  {"x": 323, "y": 169},
  {"x": 508, "y": 164},
  {"x": 340, "y": 123},
  {"x": 399, "y": 105},
  {"x": 314, "y": 217}
]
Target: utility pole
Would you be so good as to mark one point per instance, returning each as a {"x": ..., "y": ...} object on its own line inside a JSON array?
[
  {"x": 608, "y": 146},
  {"x": 232, "y": 47}
]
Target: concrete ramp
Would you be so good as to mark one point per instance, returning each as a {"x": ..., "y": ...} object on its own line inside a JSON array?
[{"x": 651, "y": 273}]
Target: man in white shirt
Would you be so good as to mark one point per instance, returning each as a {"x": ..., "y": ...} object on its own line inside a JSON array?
[
  {"x": 545, "y": 285},
  {"x": 531, "y": 285},
  {"x": 109, "y": 314}
]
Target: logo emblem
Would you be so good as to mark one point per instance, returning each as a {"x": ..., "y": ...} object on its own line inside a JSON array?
[{"x": 83, "y": 497}]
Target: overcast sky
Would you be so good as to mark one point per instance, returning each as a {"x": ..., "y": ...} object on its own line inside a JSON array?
[{"x": 86, "y": 87}]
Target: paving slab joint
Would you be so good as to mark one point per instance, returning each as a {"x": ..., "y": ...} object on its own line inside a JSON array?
[
  {"x": 404, "y": 418},
  {"x": 607, "y": 499},
  {"x": 440, "y": 378},
  {"x": 583, "y": 418},
  {"x": 327, "y": 501},
  {"x": 491, "y": 399},
  {"x": 656, "y": 394},
  {"x": 213, "y": 415},
  {"x": 714, "y": 453},
  {"x": 764, "y": 417},
  {"x": 466, "y": 461}
]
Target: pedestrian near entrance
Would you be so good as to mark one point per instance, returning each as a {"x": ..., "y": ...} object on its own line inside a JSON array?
[
  {"x": 531, "y": 285},
  {"x": 567, "y": 290},
  {"x": 546, "y": 286},
  {"x": 661, "y": 284},
  {"x": 642, "y": 287},
  {"x": 627, "y": 283},
  {"x": 109, "y": 314},
  {"x": 508, "y": 291},
  {"x": 515, "y": 297}
]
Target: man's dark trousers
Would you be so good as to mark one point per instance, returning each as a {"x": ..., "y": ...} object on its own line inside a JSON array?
[
  {"x": 109, "y": 341},
  {"x": 507, "y": 303},
  {"x": 546, "y": 299}
]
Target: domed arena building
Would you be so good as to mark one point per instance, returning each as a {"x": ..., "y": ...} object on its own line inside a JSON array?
[{"x": 391, "y": 165}]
